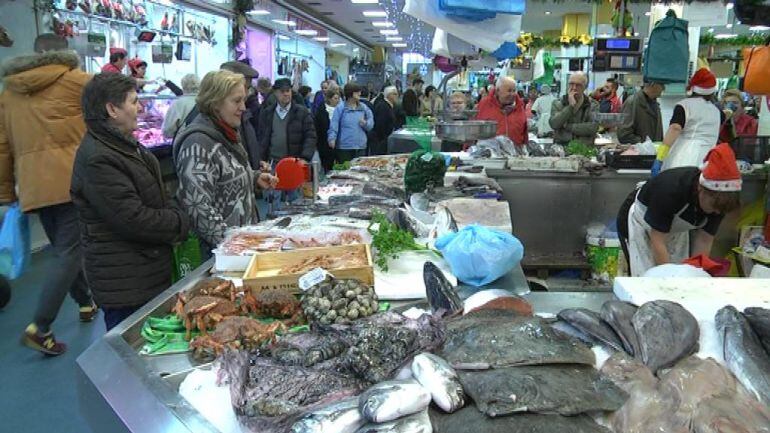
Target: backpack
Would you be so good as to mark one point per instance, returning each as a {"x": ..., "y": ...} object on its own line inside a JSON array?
[{"x": 667, "y": 56}]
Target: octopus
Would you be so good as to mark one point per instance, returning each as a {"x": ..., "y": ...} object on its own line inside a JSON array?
[{"x": 235, "y": 332}]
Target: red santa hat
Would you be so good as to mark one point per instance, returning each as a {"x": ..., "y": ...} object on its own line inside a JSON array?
[
  {"x": 704, "y": 82},
  {"x": 720, "y": 172},
  {"x": 117, "y": 50}
]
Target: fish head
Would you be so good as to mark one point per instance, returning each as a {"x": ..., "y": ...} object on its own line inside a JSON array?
[
  {"x": 440, "y": 294},
  {"x": 307, "y": 425},
  {"x": 726, "y": 317},
  {"x": 375, "y": 406},
  {"x": 452, "y": 398}
]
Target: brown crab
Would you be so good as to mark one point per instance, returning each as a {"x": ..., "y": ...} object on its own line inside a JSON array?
[
  {"x": 235, "y": 332},
  {"x": 274, "y": 303},
  {"x": 205, "y": 311}
]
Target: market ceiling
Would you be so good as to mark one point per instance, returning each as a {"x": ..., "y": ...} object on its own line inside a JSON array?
[{"x": 382, "y": 22}]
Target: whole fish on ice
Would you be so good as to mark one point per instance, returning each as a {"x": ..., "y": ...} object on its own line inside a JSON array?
[
  {"x": 441, "y": 295},
  {"x": 744, "y": 353},
  {"x": 417, "y": 423},
  {"x": 440, "y": 379},
  {"x": 759, "y": 319},
  {"x": 667, "y": 332},
  {"x": 340, "y": 417},
  {"x": 589, "y": 322},
  {"x": 618, "y": 315},
  {"x": 390, "y": 400}
]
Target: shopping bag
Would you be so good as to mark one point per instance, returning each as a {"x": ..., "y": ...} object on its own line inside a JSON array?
[
  {"x": 667, "y": 55},
  {"x": 14, "y": 243},
  {"x": 187, "y": 257},
  {"x": 478, "y": 255},
  {"x": 756, "y": 80}
]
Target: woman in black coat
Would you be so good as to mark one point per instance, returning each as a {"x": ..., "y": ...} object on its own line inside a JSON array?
[
  {"x": 128, "y": 224},
  {"x": 322, "y": 117}
]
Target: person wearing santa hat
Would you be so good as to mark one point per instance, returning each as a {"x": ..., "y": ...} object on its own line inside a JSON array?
[
  {"x": 117, "y": 61},
  {"x": 694, "y": 126},
  {"x": 655, "y": 221}
]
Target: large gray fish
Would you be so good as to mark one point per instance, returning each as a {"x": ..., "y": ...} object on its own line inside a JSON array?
[
  {"x": 340, "y": 417},
  {"x": 440, "y": 379},
  {"x": 393, "y": 399},
  {"x": 667, "y": 332},
  {"x": 590, "y": 323},
  {"x": 759, "y": 319},
  {"x": 618, "y": 315},
  {"x": 417, "y": 423},
  {"x": 470, "y": 420},
  {"x": 441, "y": 295},
  {"x": 503, "y": 338},
  {"x": 549, "y": 389},
  {"x": 744, "y": 353},
  {"x": 406, "y": 221}
]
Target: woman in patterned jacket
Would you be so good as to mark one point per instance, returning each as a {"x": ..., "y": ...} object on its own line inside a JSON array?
[{"x": 217, "y": 187}]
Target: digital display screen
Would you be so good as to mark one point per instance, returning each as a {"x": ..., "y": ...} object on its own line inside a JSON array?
[
  {"x": 146, "y": 36},
  {"x": 183, "y": 50},
  {"x": 618, "y": 44}
]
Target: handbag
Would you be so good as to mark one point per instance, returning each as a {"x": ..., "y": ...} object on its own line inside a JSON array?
[
  {"x": 756, "y": 80},
  {"x": 14, "y": 243}
]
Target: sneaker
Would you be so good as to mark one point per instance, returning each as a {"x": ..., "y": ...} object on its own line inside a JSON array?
[
  {"x": 88, "y": 312},
  {"x": 45, "y": 343}
]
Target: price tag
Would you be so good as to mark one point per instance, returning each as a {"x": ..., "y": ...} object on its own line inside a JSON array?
[
  {"x": 427, "y": 157},
  {"x": 312, "y": 278}
]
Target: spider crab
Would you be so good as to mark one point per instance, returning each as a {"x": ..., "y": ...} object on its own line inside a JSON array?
[
  {"x": 273, "y": 303},
  {"x": 235, "y": 332},
  {"x": 206, "y": 304}
]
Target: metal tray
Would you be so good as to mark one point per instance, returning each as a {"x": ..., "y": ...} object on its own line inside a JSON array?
[{"x": 466, "y": 130}]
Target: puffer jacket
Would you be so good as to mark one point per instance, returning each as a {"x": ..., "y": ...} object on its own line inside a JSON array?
[
  {"x": 127, "y": 223},
  {"x": 301, "y": 138},
  {"x": 574, "y": 123},
  {"x": 41, "y": 126}
]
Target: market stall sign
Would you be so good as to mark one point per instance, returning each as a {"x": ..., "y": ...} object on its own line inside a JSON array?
[
  {"x": 303, "y": 25},
  {"x": 96, "y": 44},
  {"x": 163, "y": 53}
]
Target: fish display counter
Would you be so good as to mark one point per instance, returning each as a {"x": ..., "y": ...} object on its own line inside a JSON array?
[{"x": 122, "y": 391}]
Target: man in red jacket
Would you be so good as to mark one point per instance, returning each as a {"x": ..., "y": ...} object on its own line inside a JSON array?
[{"x": 505, "y": 107}]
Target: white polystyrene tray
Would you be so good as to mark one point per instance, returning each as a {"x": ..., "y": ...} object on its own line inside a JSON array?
[
  {"x": 702, "y": 297},
  {"x": 404, "y": 278}
]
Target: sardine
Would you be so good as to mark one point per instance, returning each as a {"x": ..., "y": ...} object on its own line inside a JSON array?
[
  {"x": 390, "y": 400},
  {"x": 340, "y": 417},
  {"x": 440, "y": 379},
  {"x": 744, "y": 353},
  {"x": 417, "y": 423},
  {"x": 441, "y": 294}
]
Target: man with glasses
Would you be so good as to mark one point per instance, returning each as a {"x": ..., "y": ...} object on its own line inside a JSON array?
[{"x": 572, "y": 115}]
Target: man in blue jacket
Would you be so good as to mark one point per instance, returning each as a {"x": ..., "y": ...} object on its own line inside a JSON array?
[{"x": 349, "y": 125}]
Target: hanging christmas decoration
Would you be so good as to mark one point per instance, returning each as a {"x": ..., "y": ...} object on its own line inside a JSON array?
[{"x": 735, "y": 41}]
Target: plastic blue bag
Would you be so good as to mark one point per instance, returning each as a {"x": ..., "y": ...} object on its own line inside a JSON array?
[
  {"x": 14, "y": 243},
  {"x": 478, "y": 255}
]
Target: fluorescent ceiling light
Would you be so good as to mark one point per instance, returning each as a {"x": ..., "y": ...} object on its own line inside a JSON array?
[
  {"x": 258, "y": 12},
  {"x": 759, "y": 28},
  {"x": 394, "y": 39},
  {"x": 729, "y": 6},
  {"x": 285, "y": 38},
  {"x": 729, "y": 26},
  {"x": 723, "y": 36},
  {"x": 339, "y": 44},
  {"x": 387, "y": 32},
  {"x": 365, "y": 2},
  {"x": 382, "y": 24},
  {"x": 321, "y": 38},
  {"x": 399, "y": 45},
  {"x": 375, "y": 14},
  {"x": 306, "y": 32},
  {"x": 285, "y": 23}
]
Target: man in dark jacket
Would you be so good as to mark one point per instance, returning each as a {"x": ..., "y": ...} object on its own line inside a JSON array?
[
  {"x": 287, "y": 127},
  {"x": 643, "y": 117},
  {"x": 250, "y": 117},
  {"x": 572, "y": 115},
  {"x": 384, "y": 121},
  {"x": 128, "y": 225}
]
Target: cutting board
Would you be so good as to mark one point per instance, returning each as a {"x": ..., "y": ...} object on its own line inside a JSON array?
[{"x": 702, "y": 297}]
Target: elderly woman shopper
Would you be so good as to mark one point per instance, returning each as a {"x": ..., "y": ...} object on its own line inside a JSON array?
[
  {"x": 183, "y": 107},
  {"x": 349, "y": 125},
  {"x": 128, "y": 224},
  {"x": 217, "y": 187}
]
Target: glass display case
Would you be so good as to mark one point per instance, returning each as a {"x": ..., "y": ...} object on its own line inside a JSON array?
[{"x": 152, "y": 111}]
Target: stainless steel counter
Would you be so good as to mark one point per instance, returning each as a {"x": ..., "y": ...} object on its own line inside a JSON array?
[{"x": 121, "y": 391}]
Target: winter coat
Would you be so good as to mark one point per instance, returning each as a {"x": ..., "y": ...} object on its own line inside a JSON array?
[
  {"x": 177, "y": 113},
  {"x": 216, "y": 184},
  {"x": 384, "y": 125},
  {"x": 512, "y": 125},
  {"x": 321, "y": 120},
  {"x": 301, "y": 138},
  {"x": 643, "y": 120},
  {"x": 41, "y": 126},
  {"x": 570, "y": 123},
  {"x": 127, "y": 223},
  {"x": 345, "y": 129}
]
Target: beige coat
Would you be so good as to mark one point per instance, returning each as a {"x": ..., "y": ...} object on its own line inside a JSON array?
[{"x": 41, "y": 126}]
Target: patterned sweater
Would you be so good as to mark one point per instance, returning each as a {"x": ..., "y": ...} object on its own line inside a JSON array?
[{"x": 216, "y": 183}]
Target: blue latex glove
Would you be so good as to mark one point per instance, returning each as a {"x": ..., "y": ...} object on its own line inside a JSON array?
[{"x": 656, "y": 166}]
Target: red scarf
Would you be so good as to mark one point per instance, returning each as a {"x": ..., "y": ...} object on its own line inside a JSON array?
[{"x": 228, "y": 130}]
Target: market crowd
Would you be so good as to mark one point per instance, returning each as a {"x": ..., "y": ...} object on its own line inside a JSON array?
[{"x": 68, "y": 152}]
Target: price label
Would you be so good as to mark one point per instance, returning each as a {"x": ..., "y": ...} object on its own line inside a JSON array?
[{"x": 312, "y": 278}]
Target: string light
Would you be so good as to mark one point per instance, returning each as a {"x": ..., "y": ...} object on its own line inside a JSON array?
[{"x": 417, "y": 35}]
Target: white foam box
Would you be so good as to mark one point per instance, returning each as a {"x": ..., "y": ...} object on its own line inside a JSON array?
[
  {"x": 544, "y": 163},
  {"x": 702, "y": 297}
]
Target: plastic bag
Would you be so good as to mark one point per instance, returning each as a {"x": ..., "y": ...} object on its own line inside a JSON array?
[
  {"x": 478, "y": 255},
  {"x": 14, "y": 243},
  {"x": 187, "y": 257},
  {"x": 646, "y": 148}
]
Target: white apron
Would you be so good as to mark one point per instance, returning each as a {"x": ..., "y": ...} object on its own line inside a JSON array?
[
  {"x": 639, "y": 251},
  {"x": 699, "y": 135}
]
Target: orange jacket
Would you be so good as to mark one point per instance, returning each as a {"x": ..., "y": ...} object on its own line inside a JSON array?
[
  {"x": 513, "y": 124},
  {"x": 41, "y": 125}
]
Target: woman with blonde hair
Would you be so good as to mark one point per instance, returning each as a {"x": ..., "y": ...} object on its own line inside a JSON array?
[{"x": 217, "y": 187}]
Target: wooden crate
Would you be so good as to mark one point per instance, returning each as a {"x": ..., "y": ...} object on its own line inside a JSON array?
[{"x": 263, "y": 269}]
